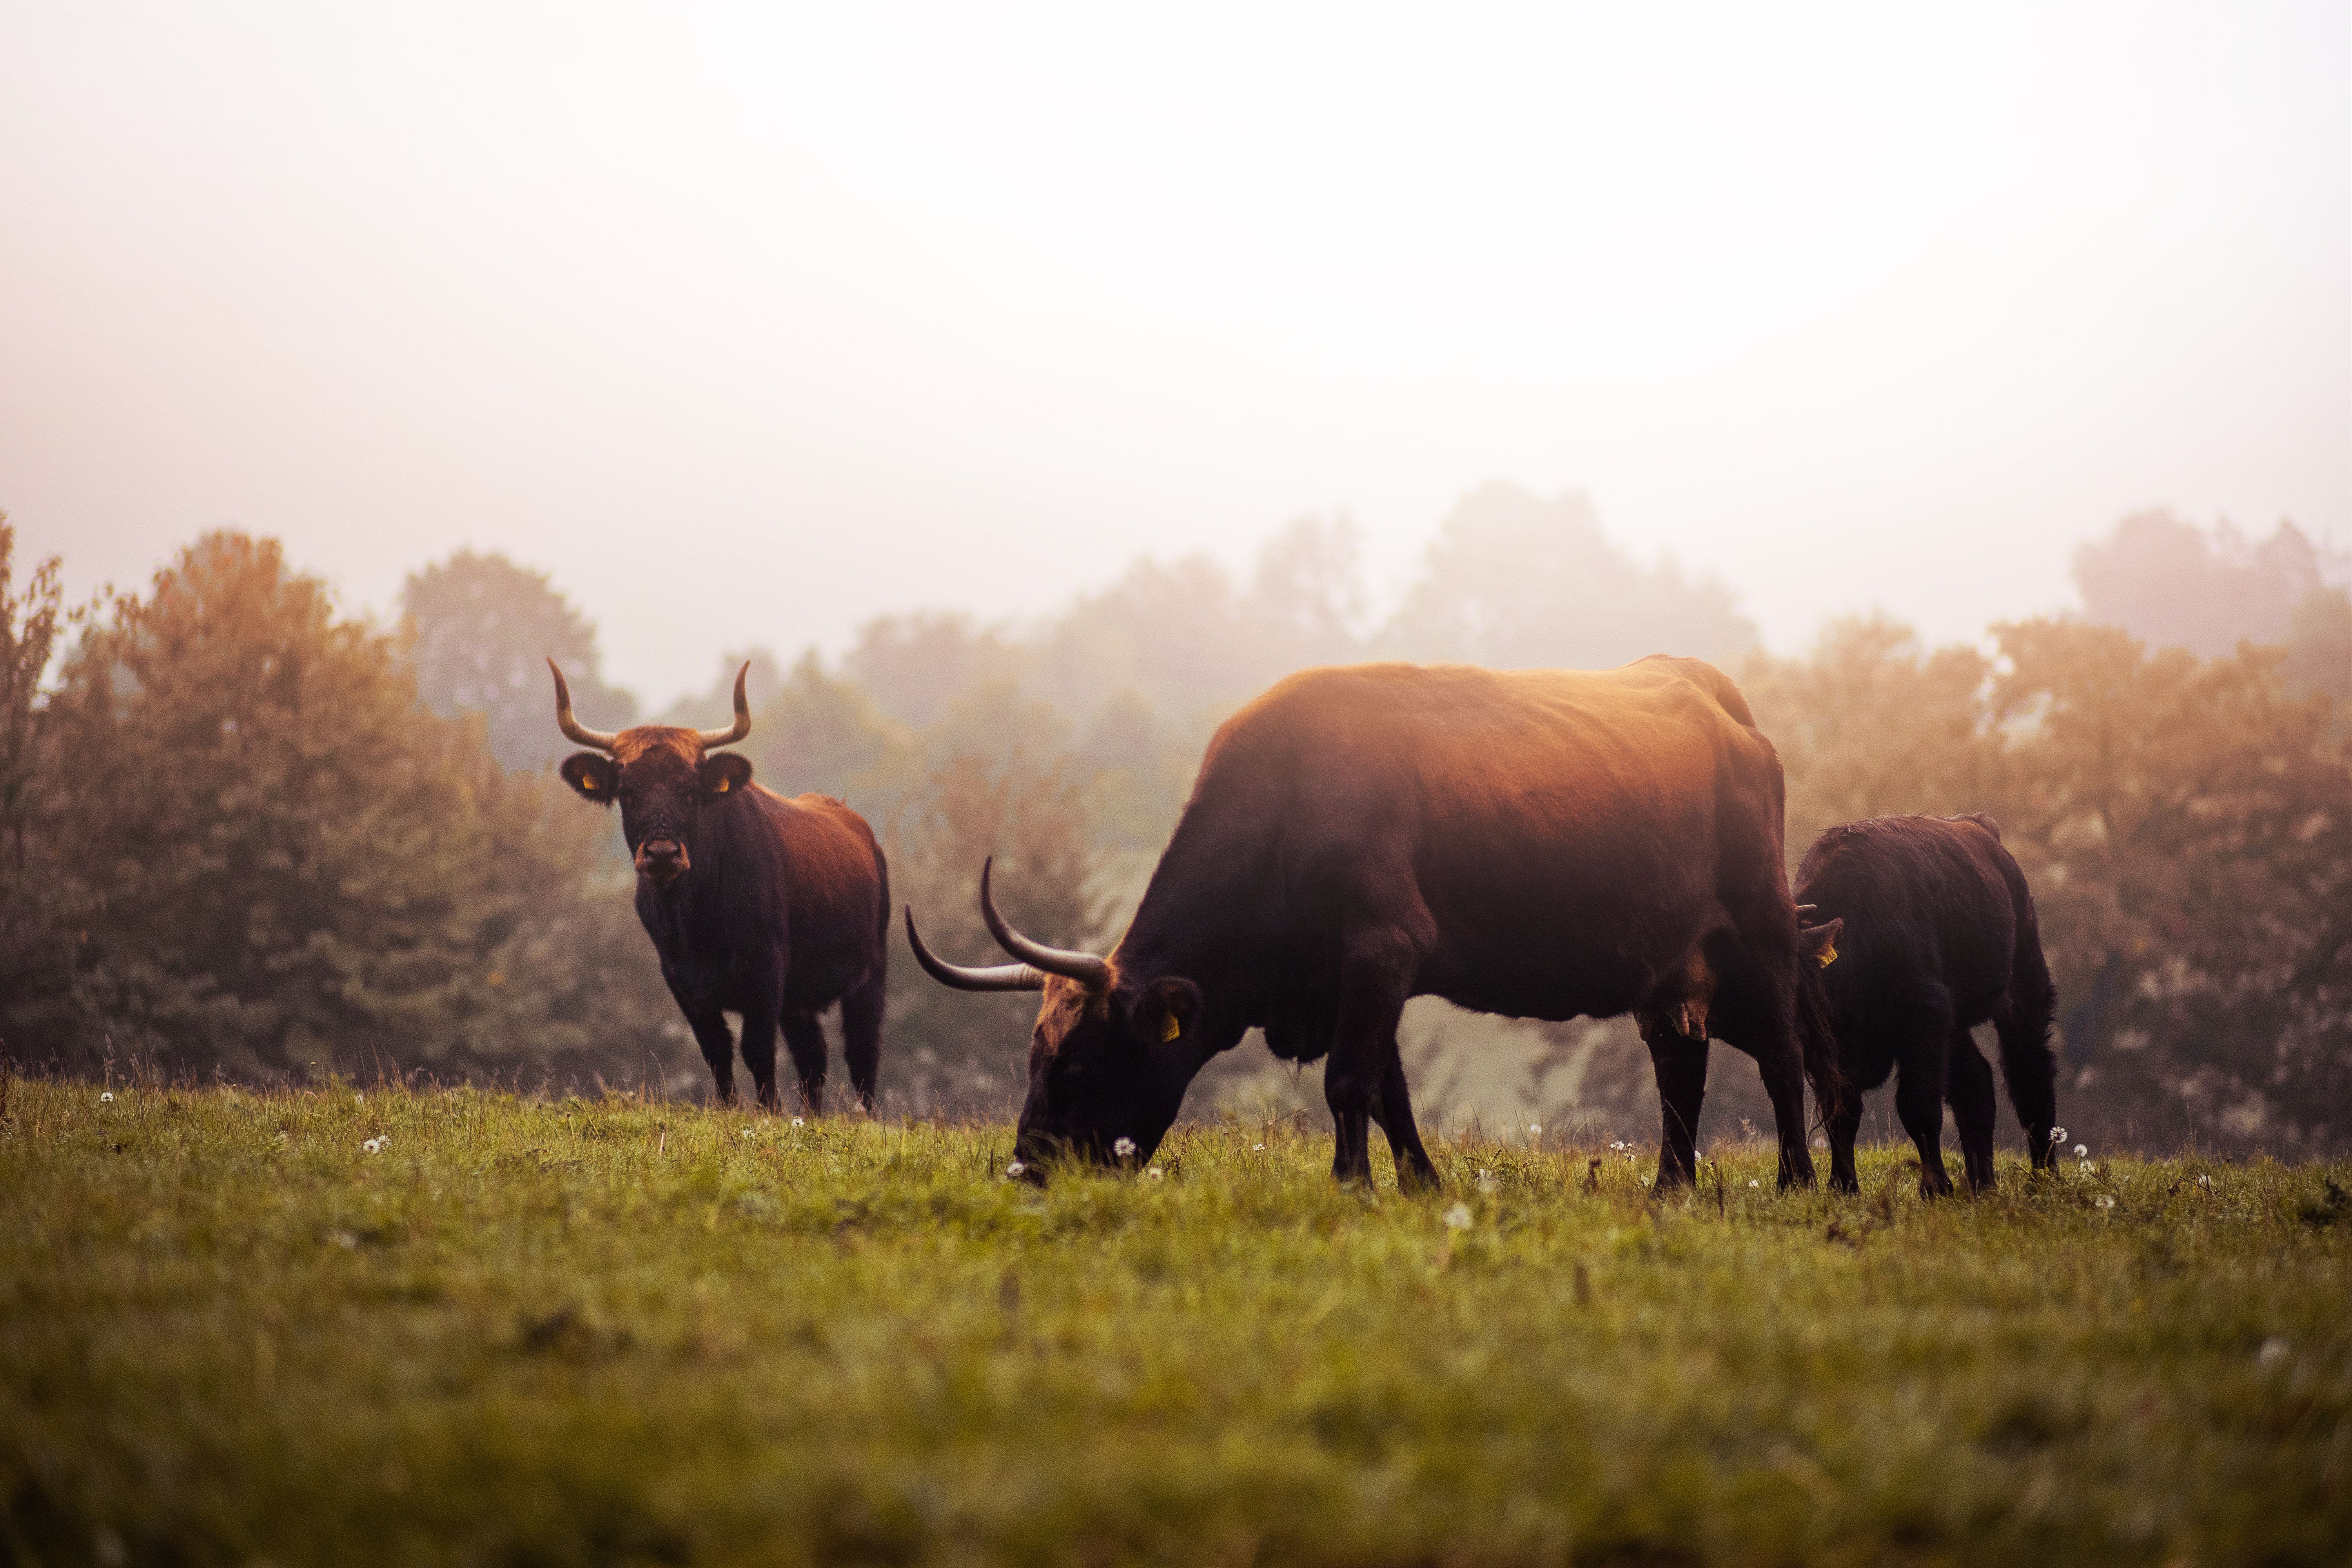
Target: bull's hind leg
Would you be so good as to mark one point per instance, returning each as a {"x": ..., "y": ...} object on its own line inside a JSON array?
[
  {"x": 1969, "y": 1085},
  {"x": 861, "y": 1039},
  {"x": 1680, "y": 1064},
  {"x": 804, "y": 1035},
  {"x": 1843, "y": 1125},
  {"x": 1393, "y": 1109}
]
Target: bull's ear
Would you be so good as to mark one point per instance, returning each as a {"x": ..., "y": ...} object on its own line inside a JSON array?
[
  {"x": 597, "y": 777},
  {"x": 724, "y": 773},
  {"x": 1819, "y": 942},
  {"x": 1165, "y": 1011}
]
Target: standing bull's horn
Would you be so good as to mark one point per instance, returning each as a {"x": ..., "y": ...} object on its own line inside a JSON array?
[
  {"x": 995, "y": 977},
  {"x": 1807, "y": 909},
  {"x": 1087, "y": 970},
  {"x": 574, "y": 730},
  {"x": 742, "y": 725}
]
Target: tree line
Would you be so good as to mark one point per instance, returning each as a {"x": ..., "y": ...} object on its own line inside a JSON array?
[{"x": 246, "y": 836}]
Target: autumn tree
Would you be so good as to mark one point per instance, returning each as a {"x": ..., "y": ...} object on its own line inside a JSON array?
[
  {"x": 481, "y": 629},
  {"x": 294, "y": 865}
]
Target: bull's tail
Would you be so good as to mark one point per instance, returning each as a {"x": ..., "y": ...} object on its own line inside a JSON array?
[{"x": 1817, "y": 1040}]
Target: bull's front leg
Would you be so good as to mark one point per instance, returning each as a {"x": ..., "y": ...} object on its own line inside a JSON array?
[
  {"x": 718, "y": 1044},
  {"x": 762, "y": 1007},
  {"x": 1375, "y": 978}
]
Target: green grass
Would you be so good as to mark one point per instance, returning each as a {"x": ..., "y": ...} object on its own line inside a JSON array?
[{"x": 608, "y": 1330}]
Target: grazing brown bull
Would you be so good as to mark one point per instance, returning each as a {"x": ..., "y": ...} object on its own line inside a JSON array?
[
  {"x": 1537, "y": 843},
  {"x": 1923, "y": 928},
  {"x": 770, "y": 908}
]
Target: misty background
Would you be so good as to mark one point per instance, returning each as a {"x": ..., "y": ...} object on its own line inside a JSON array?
[{"x": 752, "y": 323}]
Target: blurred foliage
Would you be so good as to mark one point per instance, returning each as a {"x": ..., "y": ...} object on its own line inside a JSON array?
[
  {"x": 481, "y": 630},
  {"x": 238, "y": 838},
  {"x": 271, "y": 858}
]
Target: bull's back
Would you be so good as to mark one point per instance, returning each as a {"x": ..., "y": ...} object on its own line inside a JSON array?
[{"x": 1571, "y": 832}]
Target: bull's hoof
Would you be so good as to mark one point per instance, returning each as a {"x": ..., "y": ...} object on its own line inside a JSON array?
[{"x": 1842, "y": 1182}]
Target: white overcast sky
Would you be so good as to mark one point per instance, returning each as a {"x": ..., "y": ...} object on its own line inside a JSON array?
[{"x": 750, "y": 323}]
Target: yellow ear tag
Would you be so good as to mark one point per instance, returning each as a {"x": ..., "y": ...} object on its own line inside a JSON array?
[
  {"x": 1828, "y": 954},
  {"x": 1171, "y": 1029},
  {"x": 723, "y": 782}
]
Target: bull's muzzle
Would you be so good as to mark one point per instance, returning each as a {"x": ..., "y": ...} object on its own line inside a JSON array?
[{"x": 664, "y": 860}]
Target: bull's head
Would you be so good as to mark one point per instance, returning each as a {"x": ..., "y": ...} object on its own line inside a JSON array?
[
  {"x": 663, "y": 777},
  {"x": 1110, "y": 1056}
]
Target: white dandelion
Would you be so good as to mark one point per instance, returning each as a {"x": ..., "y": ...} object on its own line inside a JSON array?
[
  {"x": 798, "y": 1123},
  {"x": 2105, "y": 1201},
  {"x": 1124, "y": 1147},
  {"x": 2204, "y": 1181},
  {"x": 373, "y": 1145},
  {"x": 1458, "y": 1217},
  {"x": 751, "y": 1133},
  {"x": 2082, "y": 1151},
  {"x": 106, "y": 1097},
  {"x": 1755, "y": 1184},
  {"x": 2057, "y": 1135},
  {"x": 1015, "y": 1169},
  {"x": 1535, "y": 1129},
  {"x": 1153, "y": 1172},
  {"x": 1257, "y": 1148}
]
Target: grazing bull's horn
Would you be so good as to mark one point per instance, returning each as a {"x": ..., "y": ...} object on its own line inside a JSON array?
[
  {"x": 742, "y": 725},
  {"x": 1087, "y": 970},
  {"x": 995, "y": 977},
  {"x": 574, "y": 730},
  {"x": 1807, "y": 909}
]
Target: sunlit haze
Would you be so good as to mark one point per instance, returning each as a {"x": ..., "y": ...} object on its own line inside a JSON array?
[{"x": 752, "y": 324}]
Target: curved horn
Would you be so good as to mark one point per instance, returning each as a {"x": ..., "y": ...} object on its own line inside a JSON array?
[
  {"x": 1807, "y": 909},
  {"x": 574, "y": 730},
  {"x": 995, "y": 977},
  {"x": 1087, "y": 970},
  {"x": 742, "y": 725}
]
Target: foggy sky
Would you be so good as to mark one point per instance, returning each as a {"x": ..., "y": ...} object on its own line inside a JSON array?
[{"x": 752, "y": 323}]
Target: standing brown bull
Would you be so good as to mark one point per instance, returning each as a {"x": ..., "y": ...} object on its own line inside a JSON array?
[
  {"x": 1537, "y": 843},
  {"x": 770, "y": 908}
]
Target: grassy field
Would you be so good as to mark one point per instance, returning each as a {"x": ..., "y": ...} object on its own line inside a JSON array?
[{"x": 611, "y": 1331}]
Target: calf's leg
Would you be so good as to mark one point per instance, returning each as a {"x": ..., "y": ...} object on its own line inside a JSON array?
[
  {"x": 1922, "y": 1042},
  {"x": 1968, "y": 1087}
]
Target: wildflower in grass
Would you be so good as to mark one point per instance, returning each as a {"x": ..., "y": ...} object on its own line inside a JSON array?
[
  {"x": 1124, "y": 1149},
  {"x": 2057, "y": 1135},
  {"x": 1755, "y": 1184},
  {"x": 373, "y": 1145},
  {"x": 2105, "y": 1201},
  {"x": 1257, "y": 1148},
  {"x": 106, "y": 1097},
  {"x": 1015, "y": 1169},
  {"x": 1153, "y": 1172},
  {"x": 798, "y": 1123},
  {"x": 1458, "y": 1217},
  {"x": 1617, "y": 1142},
  {"x": 1485, "y": 1181},
  {"x": 2082, "y": 1151},
  {"x": 2203, "y": 1180},
  {"x": 1535, "y": 1129},
  {"x": 749, "y": 1132}
]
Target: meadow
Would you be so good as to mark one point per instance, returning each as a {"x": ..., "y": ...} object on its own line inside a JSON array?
[{"x": 382, "y": 1326}]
